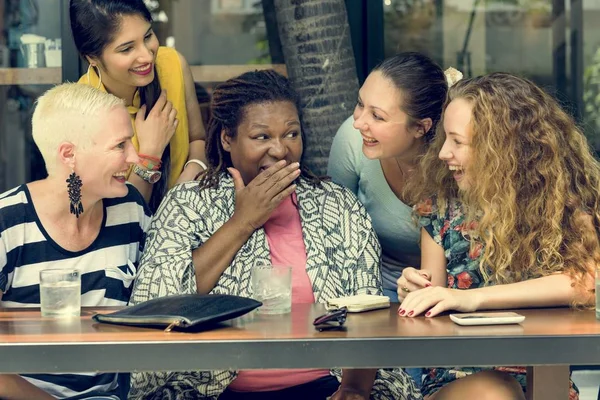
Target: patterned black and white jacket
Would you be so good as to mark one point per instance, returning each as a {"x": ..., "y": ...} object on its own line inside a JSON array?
[{"x": 343, "y": 256}]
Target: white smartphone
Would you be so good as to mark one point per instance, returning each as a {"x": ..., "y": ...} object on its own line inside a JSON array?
[{"x": 489, "y": 318}]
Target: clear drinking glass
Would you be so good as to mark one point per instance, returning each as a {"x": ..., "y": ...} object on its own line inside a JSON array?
[
  {"x": 272, "y": 285},
  {"x": 60, "y": 292}
]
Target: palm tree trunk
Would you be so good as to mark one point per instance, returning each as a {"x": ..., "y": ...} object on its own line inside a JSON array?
[{"x": 315, "y": 37}]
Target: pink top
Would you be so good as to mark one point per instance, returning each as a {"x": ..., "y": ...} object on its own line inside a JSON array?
[{"x": 284, "y": 234}]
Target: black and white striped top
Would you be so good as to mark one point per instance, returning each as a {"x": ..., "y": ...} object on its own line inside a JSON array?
[{"x": 108, "y": 267}]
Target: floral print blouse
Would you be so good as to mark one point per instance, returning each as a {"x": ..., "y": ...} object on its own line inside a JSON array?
[{"x": 452, "y": 232}]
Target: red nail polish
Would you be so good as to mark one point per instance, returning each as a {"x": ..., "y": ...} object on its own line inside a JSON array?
[
  {"x": 410, "y": 313},
  {"x": 401, "y": 312},
  {"x": 428, "y": 313},
  {"x": 428, "y": 284}
]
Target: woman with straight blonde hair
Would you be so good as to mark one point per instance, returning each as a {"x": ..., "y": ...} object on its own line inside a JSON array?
[{"x": 510, "y": 212}]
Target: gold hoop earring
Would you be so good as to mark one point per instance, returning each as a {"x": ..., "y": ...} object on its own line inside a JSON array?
[{"x": 99, "y": 76}]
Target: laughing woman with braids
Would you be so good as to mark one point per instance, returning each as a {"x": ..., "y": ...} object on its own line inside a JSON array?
[
  {"x": 257, "y": 203},
  {"x": 116, "y": 39}
]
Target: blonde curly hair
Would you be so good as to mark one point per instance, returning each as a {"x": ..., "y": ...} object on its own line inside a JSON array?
[{"x": 534, "y": 183}]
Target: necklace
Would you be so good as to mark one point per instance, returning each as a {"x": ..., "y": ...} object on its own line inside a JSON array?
[
  {"x": 402, "y": 173},
  {"x": 398, "y": 187}
]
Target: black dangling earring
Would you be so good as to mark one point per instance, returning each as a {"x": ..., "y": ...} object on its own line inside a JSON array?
[{"x": 74, "y": 189}]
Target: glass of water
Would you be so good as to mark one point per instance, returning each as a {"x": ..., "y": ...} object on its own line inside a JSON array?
[
  {"x": 272, "y": 285},
  {"x": 60, "y": 292}
]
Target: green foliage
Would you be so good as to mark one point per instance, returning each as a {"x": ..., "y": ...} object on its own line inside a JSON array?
[
  {"x": 262, "y": 43},
  {"x": 591, "y": 100}
]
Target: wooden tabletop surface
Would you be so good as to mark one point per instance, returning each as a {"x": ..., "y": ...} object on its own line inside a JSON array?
[
  {"x": 558, "y": 336},
  {"x": 27, "y": 326}
]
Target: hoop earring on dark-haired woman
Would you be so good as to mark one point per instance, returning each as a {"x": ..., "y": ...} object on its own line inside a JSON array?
[{"x": 99, "y": 75}]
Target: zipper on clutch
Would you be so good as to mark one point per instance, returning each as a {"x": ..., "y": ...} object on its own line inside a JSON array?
[{"x": 176, "y": 323}]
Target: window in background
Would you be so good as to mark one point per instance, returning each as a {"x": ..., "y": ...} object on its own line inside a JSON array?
[
  {"x": 411, "y": 25},
  {"x": 219, "y": 38},
  {"x": 590, "y": 20},
  {"x": 552, "y": 42},
  {"x": 475, "y": 36},
  {"x": 30, "y": 62}
]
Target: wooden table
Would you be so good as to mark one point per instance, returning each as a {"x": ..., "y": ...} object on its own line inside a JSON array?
[{"x": 549, "y": 340}]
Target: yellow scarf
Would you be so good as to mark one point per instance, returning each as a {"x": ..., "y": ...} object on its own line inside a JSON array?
[{"x": 170, "y": 76}]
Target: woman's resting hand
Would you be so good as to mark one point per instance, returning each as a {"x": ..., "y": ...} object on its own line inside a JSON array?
[
  {"x": 434, "y": 300},
  {"x": 412, "y": 280}
]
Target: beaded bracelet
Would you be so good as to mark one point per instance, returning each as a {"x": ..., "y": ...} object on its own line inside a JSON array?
[
  {"x": 149, "y": 162},
  {"x": 155, "y": 159}
]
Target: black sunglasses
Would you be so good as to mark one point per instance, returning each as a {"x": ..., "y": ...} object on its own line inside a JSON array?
[{"x": 333, "y": 320}]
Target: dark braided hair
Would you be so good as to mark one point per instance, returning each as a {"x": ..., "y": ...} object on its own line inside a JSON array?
[
  {"x": 94, "y": 24},
  {"x": 228, "y": 105}
]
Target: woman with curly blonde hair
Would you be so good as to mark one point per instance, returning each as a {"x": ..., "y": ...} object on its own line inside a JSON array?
[{"x": 512, "y": 213}]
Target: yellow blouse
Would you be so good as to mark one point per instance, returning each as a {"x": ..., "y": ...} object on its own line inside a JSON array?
[{"x": 170, "y": 75}]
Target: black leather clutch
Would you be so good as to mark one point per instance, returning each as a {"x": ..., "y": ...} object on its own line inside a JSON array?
[{"x": 182, "y": 312}]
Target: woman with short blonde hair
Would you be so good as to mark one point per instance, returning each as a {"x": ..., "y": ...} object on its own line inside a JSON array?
[{"x": 83, "y": 216}]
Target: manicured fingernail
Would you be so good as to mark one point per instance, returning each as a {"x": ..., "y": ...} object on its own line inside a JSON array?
[
  {"x": 410, "y": 313},
  {"x": 428, "y": 284},
  {"x": 428, "y": 313},
  {"x": 401, "y": 312}
]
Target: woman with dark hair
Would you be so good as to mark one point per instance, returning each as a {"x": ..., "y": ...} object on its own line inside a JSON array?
[
  {"x": 257, "y": 203},
  {"x": 375, "y": 152},
  {"x": 116, "y": 38}
]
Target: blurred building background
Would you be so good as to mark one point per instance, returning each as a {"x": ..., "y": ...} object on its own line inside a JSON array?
[{"x": 554, "y": 42}]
